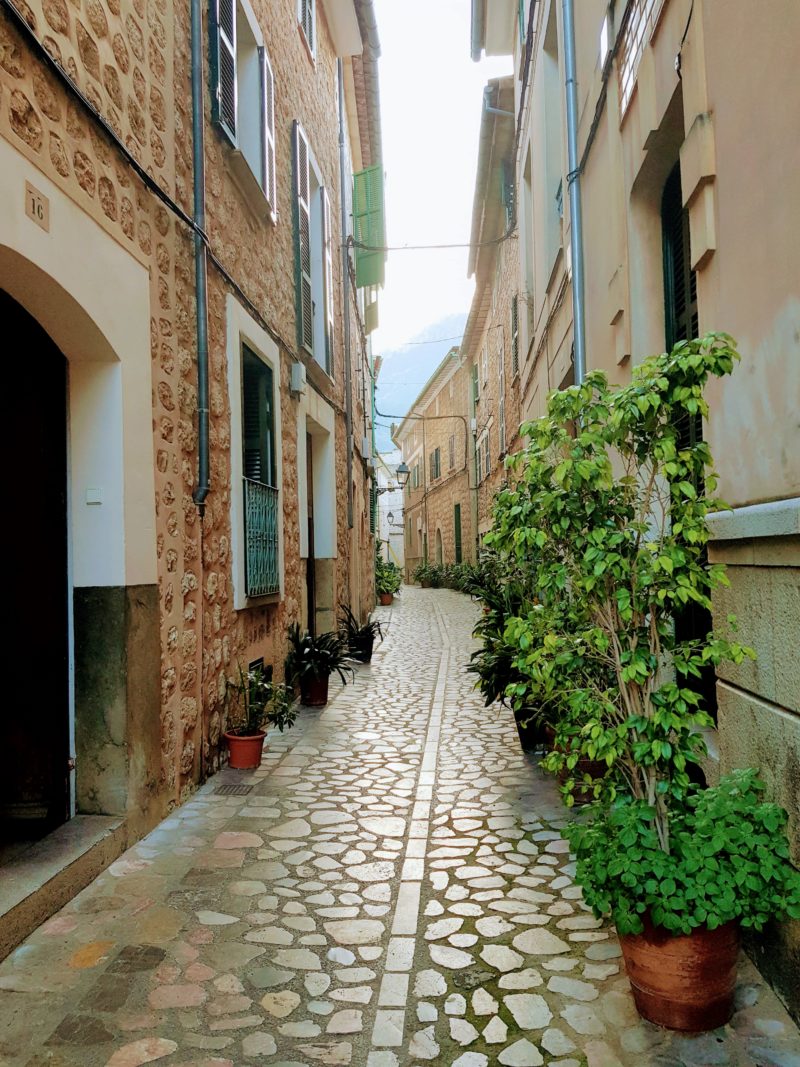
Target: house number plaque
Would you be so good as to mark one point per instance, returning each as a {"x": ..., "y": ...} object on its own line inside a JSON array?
[{"x": 37, "y": 207}]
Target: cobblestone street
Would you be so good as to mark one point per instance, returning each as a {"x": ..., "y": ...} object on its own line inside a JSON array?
[{"x": 391, "y": 890}]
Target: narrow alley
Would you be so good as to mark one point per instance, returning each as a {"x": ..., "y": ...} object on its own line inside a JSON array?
[{"x": 389, "y": 888}]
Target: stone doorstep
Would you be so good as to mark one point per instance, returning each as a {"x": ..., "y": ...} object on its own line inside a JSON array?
[{"x": 50, "y": 873}]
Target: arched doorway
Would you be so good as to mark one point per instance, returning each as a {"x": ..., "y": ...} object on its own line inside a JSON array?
[
  {"x": 34, "y": 787},
  {"x": 439, "y": 548}
]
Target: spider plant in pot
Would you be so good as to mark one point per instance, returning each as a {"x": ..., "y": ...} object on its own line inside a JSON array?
[
  {"x": 312, "y": 660},
  {"x": 359, "y": 639},
  {"x": 252, "y": 703},
  {"x": 612, "y": 504}
]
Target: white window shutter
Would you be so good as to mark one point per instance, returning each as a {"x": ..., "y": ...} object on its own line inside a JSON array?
[
  {"x": 330, "y": 304},
  {"x": 305, "y": 307},
  {"x": 269, "y": 183}
]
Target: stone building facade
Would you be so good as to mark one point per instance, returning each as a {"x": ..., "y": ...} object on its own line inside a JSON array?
[
  {"x": 491, "y": 336},
  {"x": 687, "y": 228},
  {"x": 436, "y": 442},
  {"x": 98, "y": 296}
]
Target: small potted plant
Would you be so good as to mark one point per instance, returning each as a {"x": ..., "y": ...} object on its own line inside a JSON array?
[
  {"x": 422, "y": 575},
  {"x": 360, "y": 639},
  {"x": 252, "y": 703},
  {"x": 312, "y": 660},
  {"x": 387, "y": 580}
]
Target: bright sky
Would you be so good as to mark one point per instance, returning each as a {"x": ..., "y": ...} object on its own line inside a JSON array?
[{"x": 431, "y": 95}]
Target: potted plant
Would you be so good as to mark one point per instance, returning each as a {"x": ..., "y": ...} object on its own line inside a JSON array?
[
  {"x": 387, "y": 580},
  {"x": 312, "y": 660},
  {"x": 252, "y": 703},
  {"x": 608, "y": 505},
  {"x": 422, "y": 575},
  {"x": 678, "y": 912},
  {"x": 360, "y": 639}
]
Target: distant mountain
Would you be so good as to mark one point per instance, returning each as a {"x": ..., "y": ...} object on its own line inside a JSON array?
[{"x": 404, "y": 371}]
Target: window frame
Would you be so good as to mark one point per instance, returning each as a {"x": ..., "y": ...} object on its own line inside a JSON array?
[
  {"x": 243, "y": 330},
  {"x": 311, "y": 44},
  {"x": 257, "y": 185},
  {"x": 312, "y": 204}
]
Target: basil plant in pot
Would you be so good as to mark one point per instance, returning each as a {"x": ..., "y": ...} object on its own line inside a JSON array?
[
  {"x": 310, "y": 662},
  {"x": 254, "y": 702},
  {"x": 609, "y": 502}
]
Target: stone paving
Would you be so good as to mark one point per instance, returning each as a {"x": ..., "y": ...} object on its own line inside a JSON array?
[{"x": 392, "y": 891}]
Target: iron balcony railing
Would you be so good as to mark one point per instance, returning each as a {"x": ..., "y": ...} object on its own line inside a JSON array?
[{"x": 262, "y": 564}]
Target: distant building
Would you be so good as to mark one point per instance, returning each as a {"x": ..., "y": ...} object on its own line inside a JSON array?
[
  {"x": 436, "y": 439},
  {"x": 389, "y": 534}
]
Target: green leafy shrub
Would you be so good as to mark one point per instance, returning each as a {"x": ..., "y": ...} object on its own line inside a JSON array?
[
  {"x": 253, "y": 702},
  {"x": 388, "y": 578},
  {"x": 728, "y": 860}
]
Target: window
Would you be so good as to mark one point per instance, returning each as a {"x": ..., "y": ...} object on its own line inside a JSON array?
[
  {"x": 314, "y": 255},
  {"x": 485, "y": 364},
  {"x": 307, "y": 17},
  {"x": 243, "y": 100},
  {"x": 369, "y": 226},
  {"x": 515, "y": 334},
  {"x": 476, "y": 388},
  {"x": 436, "y": 464},
  {"x": 457, "y": 531},
  {"x": 260, "y": 476},
  {"x": 451, "y": 451},
  {"x": 486, "y": 465},
  {"x": 479, "y": 462}
]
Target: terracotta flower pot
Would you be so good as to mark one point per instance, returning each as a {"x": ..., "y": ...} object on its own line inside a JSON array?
[
  {"x": 684, "y": 982},
  {"x": 244, "y": 753},
  {"x": 386, "y": 598},
  {"x": 314, "y": 692}
]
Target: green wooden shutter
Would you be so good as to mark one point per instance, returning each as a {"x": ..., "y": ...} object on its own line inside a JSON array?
[
  {"x": 369, "y": 226},
  {"x": 258, "y": 432},
  {"x": 330, "y": 304},
  {"x": 476, "y": 389},
  {"x": 457, "y": 530},
  {"x": 269, "y": 184},
  {"x": 222, "y": 32},
  {"x": 302, "y": 200}
]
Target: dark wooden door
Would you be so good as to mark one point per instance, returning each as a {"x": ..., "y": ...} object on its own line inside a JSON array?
[
  {"x": 34, "y": 785},
  {"x": 682, "y": 323},
  {"x": 311, "y": 576}
]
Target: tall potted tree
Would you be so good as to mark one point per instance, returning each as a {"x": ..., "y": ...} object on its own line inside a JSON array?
[
  {"x": 611, "y": 506},
  {"x": 252, "y": 703}
]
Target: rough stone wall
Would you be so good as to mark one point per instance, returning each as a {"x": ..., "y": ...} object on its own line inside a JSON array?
[
  {"x": 132, "y": 61},
  {"x": 503, "y": 284}
]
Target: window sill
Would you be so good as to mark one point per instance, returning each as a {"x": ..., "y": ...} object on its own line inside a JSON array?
[
  {"x": 265, "y": 601},
  {"x": 249, "y": 186}
]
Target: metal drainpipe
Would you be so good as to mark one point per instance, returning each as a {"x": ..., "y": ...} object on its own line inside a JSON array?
[
  {"x": 200, "y": 274},
  {"x": 348, "y": 372},
  {"x": 574, "y": 185}
]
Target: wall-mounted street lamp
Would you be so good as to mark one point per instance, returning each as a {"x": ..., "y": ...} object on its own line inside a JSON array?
[{"x": 402, "y": 473}]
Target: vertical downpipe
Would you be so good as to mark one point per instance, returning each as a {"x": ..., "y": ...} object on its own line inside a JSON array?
[
  {"x": 201, "y": 296},
  {"x": 574, "y": 185},
  {"x": 348, "y": 371},
  {"x": 200, "y": 270}
]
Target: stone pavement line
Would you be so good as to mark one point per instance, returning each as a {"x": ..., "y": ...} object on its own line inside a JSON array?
[
  {"x": 388, "y": 1031},
  {"x": 398, "y": 854}
]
